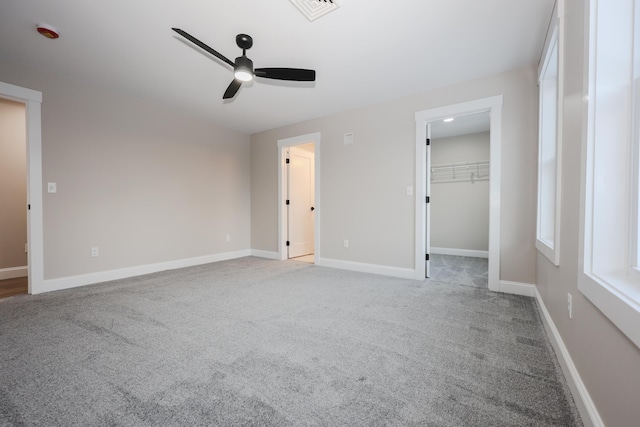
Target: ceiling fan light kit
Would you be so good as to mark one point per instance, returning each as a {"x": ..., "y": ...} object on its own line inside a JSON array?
[{"x": 243, "y": 70}]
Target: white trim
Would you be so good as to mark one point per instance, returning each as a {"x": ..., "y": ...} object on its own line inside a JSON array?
[
  {"x": 613, "y": 291},
  {"x": 265, "y": 254},
  {"x": 555, "y": 38},
  {"x": 494, "y": 106},
  {"x": 404, "y": 273},
  {"x": 517, "y": 288},
  {"x": 35, "y": 228},
  {"x": 123, "y": 273},
  {"x": 427, "y": 157},
  {"x": 617, "y": 298},
  {"x": 459, "y": 252},
  {"x": 283, "y": 144},
  {"x": 14, "y": 272},
  {"x": 584, "y": 403}
]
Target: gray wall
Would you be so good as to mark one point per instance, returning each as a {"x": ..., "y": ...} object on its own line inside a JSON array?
[
  {"x": 13, "y": 185},
  {"x": 144, "y": 183},
  {"x": 460, "y": 210},
  {"x": 363, "y": 185},
  {"x": 607, "y": 361}
]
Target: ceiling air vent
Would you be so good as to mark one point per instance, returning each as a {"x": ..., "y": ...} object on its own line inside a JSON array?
[{"x": 314, "y": 9}]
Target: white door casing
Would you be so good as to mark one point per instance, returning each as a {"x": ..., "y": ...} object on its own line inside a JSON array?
[
  {"x": 494, "y": 106},
  {"x": 427, "y": 186},
  {"x": 301, "y": 207}
]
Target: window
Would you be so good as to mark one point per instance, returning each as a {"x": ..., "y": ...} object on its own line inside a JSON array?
[
  {"x": 609, "y": 274},
  {"x": 549, "y": 148}
]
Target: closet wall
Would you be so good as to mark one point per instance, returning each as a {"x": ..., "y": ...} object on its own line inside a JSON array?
[{"x": 460, "y": 194}]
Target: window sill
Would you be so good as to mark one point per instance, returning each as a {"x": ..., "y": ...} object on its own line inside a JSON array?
[
  {"x": 618, "y": 297},
  {"x": 548, "y": 251}
]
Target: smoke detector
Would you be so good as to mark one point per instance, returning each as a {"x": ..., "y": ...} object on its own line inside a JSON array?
[
  {"x": 48, "y": 31},
  {"x": 314, "y": 9}
]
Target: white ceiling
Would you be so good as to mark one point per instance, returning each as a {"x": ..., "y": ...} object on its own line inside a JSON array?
[
  {"x": 364, "y": 52},
  {"x": 461, "y": 125}
]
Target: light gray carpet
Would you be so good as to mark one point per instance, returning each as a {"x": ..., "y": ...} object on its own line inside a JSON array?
[
  {"x": 460, "y": 270},
  {"x": 271, "y": 343}
]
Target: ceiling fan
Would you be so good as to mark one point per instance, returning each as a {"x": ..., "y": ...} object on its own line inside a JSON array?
[{"x": 243, "y": 66}]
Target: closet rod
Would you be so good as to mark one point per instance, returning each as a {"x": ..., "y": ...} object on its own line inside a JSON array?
[{"x": 460, "y": 165}]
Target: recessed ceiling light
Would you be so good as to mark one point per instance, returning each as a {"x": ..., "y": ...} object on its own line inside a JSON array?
[
  {"x": 450, "y": 119},
  {"x": 48, "y": 31}
]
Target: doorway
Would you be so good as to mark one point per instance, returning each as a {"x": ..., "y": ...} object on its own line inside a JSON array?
[
  {"x": 458, "y": 215},
  {"x": 299, "y": 198},
  {"x": 35, "y": 257},
  {"x": 13, "y": 193},
  {"x": 300, "y": 201},
  {"x": 493, "y": 106}
]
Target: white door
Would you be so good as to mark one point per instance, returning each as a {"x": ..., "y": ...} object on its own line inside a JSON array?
[
  {"x": 301, "y": 202},
  {"x": 428, "y": 203}
]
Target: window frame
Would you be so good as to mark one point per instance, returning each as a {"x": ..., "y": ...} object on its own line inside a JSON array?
[
  {"x": 608, "y": 262},
  {"x": 549, "y": 205}
]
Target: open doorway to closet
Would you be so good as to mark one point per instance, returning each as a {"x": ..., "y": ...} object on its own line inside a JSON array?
[
  {"x": 459, "y": 169},
  {"x": 492, "y": 105},
  {"x": 299, "y": 197},
  {"x": 13, "y": 199}
]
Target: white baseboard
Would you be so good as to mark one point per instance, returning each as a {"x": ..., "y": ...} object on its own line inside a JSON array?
[
  {"x": 265, "y": 254},
  {"x": 459, "y": 252},
  {"x": 405, "y": 273},
  {"x": 14, "y": 272},
  {"x": 586, "y": 407},
  {"x": 123, "y": 273},
  {"x": 516, "y": 288}
]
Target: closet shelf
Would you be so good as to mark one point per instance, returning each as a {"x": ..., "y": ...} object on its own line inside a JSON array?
[{"x": 460, "y": 172}]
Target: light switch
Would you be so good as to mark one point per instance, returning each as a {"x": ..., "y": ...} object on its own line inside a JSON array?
[
  {"x": 348, "y": 138},
  {"x": 409, "y": 190},
  {"x": 51, "y": 187}
]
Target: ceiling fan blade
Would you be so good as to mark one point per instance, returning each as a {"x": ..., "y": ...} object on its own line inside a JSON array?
[
  {"x": 295, "y": 74},
  {"x": 232, "y": 89},
  {"x": 203, "y": 46}
]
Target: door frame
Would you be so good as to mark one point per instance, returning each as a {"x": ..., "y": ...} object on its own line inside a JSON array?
[
  {"x": 494, "y": 106},
  {"x": 283, "y": 144},
  {"x": 32, "y": 100},
  {"x": 426, "y": 158}
]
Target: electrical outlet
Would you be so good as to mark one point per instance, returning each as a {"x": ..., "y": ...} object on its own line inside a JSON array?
[
  {"x": 228, "y": 238},
  {"x": 346, "y": 243},
  {"x": 570, "y": 305},
  {"x": 95, "y": 252}
]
